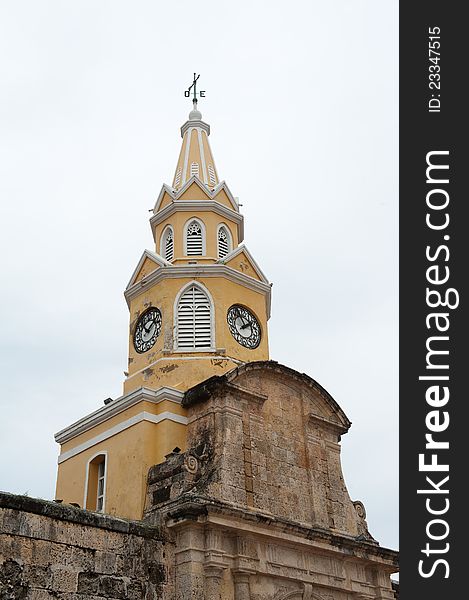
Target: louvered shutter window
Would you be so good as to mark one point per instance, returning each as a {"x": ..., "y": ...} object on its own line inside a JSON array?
[
  {"x": 168, "y": 244},
  {"x": 194, "y": 241},
  {"x": 178, "y": 177},
  {"x": 224, "y": 245},
  {"x": 194, "y": 318},
  {"x": 211, "y": 174},
  {"x": 195, "y": 169},
  {"x": 100, "y": 495}
]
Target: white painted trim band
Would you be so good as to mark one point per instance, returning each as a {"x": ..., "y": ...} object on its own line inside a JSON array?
[
  {"x": 202, "y": 156},
  {"x": 186, "y": 156},
  {"x": 143, "y": 416},
  {"x": 195, "y": 206},
  {"x": 200, "y": 270},
  {"x": 115, "y": 407}
]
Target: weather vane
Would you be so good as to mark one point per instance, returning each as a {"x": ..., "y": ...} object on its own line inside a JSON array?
[{"x": 193, "y": 87}]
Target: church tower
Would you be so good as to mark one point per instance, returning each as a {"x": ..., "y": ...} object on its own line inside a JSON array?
[
  {"x": 234, "y": 457},
  {"x": 199, "y": 305}
]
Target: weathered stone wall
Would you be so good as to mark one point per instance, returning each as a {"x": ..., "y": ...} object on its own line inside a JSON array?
[
  {"x": 264, "y": 438},
  {"x": 256, "y": 508},
  {"x": 50, "y": 550},
  {"x": 257, "y": 503}
]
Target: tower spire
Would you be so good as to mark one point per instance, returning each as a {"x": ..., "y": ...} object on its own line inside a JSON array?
[{"x": 195, "y": 158}]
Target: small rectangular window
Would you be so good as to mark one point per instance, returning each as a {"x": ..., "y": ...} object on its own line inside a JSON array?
[
  {"x": 211, "y": 174},
  {"x": 194, "y": 169},
  {"x": 100, "y": 498}
]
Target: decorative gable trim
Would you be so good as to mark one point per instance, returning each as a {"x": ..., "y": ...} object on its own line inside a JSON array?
[
  {"x": 156, "y": 258},
  {"x": 211, "y": 194},
  {"x": 242, "y": 249},
  {"x": 165, "y": 189},
  {"x": 222, "y": 186},
  {"x": 199, "y": 270}
]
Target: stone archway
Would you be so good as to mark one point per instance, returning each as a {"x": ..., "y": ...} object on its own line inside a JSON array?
[{"x": 305, "y": 594}]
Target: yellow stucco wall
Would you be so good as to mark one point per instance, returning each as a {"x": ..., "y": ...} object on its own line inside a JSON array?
[
  {"x": 143, "y": 406},
  {"x": 148, "y": 267},
  {"x": 162, "y": 365},
  {"x": 194, "y": 155},
  {"x": 211, "y": 221},
  {"x": 130, "y": 454},
  {"x": 242, "y": 264}
]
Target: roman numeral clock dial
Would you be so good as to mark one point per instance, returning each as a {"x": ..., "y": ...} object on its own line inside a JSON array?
[
  {"x": 147, "y": 330},
  {"x": 244, "y": 326}
]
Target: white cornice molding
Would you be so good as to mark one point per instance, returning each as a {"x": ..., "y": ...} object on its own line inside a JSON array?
[
  {"x": 153, "y": 256},
  {"x": 115, "y": 407},
  {"x": 211, "y": 194},
  {"x": 239, "y": 250},
  {"x": 196, "y": 206},
  {"x": 195, "y": 125},
  {"x": 122, "y": 426},
  {"x": 194, "y": 271}
]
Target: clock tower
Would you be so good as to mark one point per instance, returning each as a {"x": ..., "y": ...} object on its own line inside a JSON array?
[{"x": 199, "y": 305}]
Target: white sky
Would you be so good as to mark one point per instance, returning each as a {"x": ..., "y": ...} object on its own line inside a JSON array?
[{"x": 302, "y": 101}]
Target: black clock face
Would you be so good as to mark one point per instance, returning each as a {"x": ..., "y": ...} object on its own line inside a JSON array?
[
  {"x": 147, "y": 330},
  {"x": 244, "y": 326}
]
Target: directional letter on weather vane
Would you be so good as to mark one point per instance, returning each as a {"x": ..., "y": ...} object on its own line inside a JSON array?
[{"x": 187, "y": 92}]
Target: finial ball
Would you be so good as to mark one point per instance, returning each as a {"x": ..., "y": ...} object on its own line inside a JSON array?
[{"x": 195, "y": 115}]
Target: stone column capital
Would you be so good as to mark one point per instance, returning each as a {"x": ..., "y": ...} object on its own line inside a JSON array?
[{"x": 214, "y": 570}]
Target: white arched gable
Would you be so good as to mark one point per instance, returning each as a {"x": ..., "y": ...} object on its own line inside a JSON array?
[
  {"x": 224, "y": 240},
  {"x": 194, "y": 238},
  {"x": 167, "y": 243},
  {"x": 194, "y": 319}
]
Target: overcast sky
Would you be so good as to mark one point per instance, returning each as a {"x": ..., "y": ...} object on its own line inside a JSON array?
[{"x": 301, "y": 97}]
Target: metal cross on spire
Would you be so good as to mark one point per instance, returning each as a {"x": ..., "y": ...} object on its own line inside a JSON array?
[{"x": 193, "y": 87}]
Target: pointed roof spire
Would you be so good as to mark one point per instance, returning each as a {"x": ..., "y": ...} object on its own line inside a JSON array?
[{"x": 195, "y": 158}]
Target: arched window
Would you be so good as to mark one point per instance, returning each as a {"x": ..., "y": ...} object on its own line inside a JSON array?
[
  {"x": 194, "y": 238},
  {"x": 195, "y": 169},
  {"x": 224, "y": 244},
  {"x": 95, "y": 493},
  {"x": 194, "y": 319},
  {"x": 167, "y": 243}
]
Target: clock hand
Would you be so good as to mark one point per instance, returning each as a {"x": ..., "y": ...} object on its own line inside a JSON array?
[
  {"x": 243, "y": 319},
  {"x": 246, "y": 325}
]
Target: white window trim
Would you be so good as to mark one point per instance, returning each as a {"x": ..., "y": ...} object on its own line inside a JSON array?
[
  {"x": 202, "y": 227},
  {"x": 100, "y": 453},
  {"x": 230, "y": 237},
  {"x": 163, "y": 241},
  {"x": 201, "y": 287}
]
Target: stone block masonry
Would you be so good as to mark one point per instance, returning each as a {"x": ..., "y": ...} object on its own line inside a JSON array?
[{"x": 50, "y": 550}]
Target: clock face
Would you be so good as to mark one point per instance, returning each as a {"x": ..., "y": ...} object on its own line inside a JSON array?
[
  {"x": 147, "y": 330},
  {"x": 244, "y": 326}
]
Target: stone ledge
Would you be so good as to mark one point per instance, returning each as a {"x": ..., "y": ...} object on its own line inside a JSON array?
[
  {"x": 192, "y": 507},
  {"x": 67, "y": 512}
]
